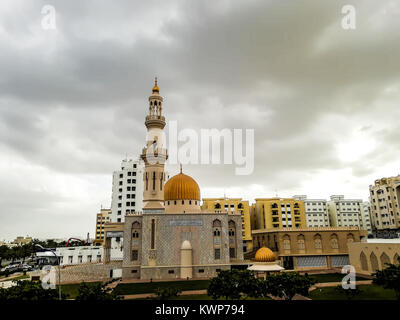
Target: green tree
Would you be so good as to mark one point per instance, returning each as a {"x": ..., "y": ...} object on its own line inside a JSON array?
[
  {"x": 4, "y": 253},
  {"x": 349, "y": 293},
  {"x": 15, "y": 253},
  {"x": 28, "y": 290},
  {"x": 234, "y": 284},
  {"x": 166, "y": 293},
  {"x": 96, "y": 292},
  {"x": 287, "y": 284},
  {"x": 389, "y": 278}
]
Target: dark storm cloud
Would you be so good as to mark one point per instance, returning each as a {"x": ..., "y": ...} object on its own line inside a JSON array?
[{"x": 73, "y": 100}]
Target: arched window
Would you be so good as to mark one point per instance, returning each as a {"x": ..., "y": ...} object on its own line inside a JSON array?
[
  {"x": 318, "y": 242},
  {"x": 135, "y": 241},
  {"x": 384, "y": 260},
  {"x": 232, "y": 239},
  {"x": 217, "y": 228},
  {"x": 286, "y": 242},
  {"x": 240, "y": 206},
  {"x": 301, "y": 242},
  {"x": 363, "y": 261},
  {"x": 334, "y": 241},
  {"x": 396, "y": 259},
  {"x": 217, "y": 206},
  {"x": 374, "y": 262},
  {"x": 274, "y": 205},
  {"x": 350, "y": 238}
]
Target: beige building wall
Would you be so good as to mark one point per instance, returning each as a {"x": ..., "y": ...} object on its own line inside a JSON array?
[
  {"x": 385, "y": 203},
  {"x": 233, "y": 205},
  {"x": 309, "y": 248},
  {"x": 369, "y": 256}
]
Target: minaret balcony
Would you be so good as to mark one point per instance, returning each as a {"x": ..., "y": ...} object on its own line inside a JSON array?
[
  {"x": 155, "y": 121},
  {"x": 158, "y": 153}
]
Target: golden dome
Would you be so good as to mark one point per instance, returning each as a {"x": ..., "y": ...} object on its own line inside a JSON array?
[
  {"x": 181, "y": 187},
  {"x": 264, "y": 255},
  {"x": 156, "y": 88}
]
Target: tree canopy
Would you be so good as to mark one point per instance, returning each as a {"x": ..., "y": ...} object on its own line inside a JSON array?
[
  {"x": 240, "y": 284},
  {"x": 389, "y": 278}
]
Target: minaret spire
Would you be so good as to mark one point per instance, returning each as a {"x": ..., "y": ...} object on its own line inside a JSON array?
[{"x": 154, "y": 154}]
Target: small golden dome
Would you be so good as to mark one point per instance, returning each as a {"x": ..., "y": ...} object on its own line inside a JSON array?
[
  {"x": 181, "y": 187},
  {"x": 264, "y": 255},
  {"x": 156, "y": 88}
]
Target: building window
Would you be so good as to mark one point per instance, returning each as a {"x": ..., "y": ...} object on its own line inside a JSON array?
[
  {"x": 134, "y": 271},
  {"x": 171, "y": 271},
  {"x": 334, "y": 242},
  {"x": 135, "y": 255},
  {"x": 301, "y": 242},
  {"x": 201, "y": 270},
  {"x": 153, "y": 226},
  {"x": 286, "y": 242},
  {"x": 217, "y": 254},
  {"x": 232, "y": 253},
  {"x": 317, "y": 242}
]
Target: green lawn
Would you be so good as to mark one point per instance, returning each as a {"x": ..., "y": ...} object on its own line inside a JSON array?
[
  {"x": 331, "y": 277},
  {"x": 147, "y": 287},
  {"x": 72, "y": 289},
  {"x": 16, "y": 278},
  {"x": 369, "y": 292},
  {"x": 200, "y": 297}
]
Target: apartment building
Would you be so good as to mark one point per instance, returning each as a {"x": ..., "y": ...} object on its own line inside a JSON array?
[
  {"x": 347, "y": 212},
  {"x": 316, "y": 211},
  {"x": 102, "y": 217},
  {"x": 127, "y": 190},
  {"x": 272, "y": 213},
  {"x": 385, "y": 203}
]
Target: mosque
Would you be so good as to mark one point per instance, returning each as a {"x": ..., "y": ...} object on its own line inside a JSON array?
[{"x": 173, "y": 237}]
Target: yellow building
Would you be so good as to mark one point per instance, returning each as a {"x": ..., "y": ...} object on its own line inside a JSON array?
[
  {"x": 233, "y": 205},
  {"x": 101, "y": 218},
  {"x": 274, "y": 213},
  {"x": 21, "y": 240}
]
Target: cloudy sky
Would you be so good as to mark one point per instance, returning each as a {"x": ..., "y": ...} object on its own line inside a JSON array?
[{"x": 323, "y": 101}]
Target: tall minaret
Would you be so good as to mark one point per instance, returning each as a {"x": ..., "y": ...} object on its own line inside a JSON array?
[{"x": 154, "y": 155}]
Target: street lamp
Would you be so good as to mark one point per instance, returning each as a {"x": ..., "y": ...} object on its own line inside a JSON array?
[{"x": 59, "y": 268}]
